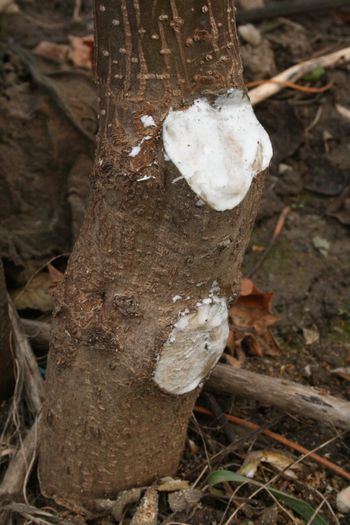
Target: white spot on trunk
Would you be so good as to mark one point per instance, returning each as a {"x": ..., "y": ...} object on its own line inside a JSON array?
[
  {"x": 218, "y": 148},
  {"x": 145, "y": 177},
  {"x": 147, "y": 121},
  {"x": 136, "y": 149},
  {"x": 193, "y": 347}
]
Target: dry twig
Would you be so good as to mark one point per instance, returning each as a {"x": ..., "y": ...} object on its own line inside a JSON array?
[
  {"x": 291, "y": 74},
  {"x": 33, "y": 382},
  {"x": 281, "y": 439},
  {"x": 286, "y": 395}
]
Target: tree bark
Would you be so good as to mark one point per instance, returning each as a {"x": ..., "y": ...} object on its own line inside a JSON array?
[
  {"x": 146, "y": 254},
  {"x": 286, "y": 395}
]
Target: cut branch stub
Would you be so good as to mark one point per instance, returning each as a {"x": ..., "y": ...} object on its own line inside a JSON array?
[{"x": 218, "y": 148}]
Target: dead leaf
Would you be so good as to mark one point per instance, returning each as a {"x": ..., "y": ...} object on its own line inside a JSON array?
[
  {"x": 169, "y": 484},
  {"x": 311, "y": 335},
  {"x": 251, "y": 319},
  {"x": 125, "y": 498},
  {"x": 283, "y": 462},
  {"x": 56, "y": 275},
  {"x": 80, "y": 51},
  {"x": 57, "y": 52},
  {"x": 231, "y": 360},
  {"x": 36, "y": 295}
]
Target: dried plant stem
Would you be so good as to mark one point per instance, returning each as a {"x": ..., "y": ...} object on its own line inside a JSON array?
[
  {"x": 33, "y": 382},
  {"x": 291, "y": 74},
  {"x": 19, "y": 468},
  {"x": 281, "y": 439}
]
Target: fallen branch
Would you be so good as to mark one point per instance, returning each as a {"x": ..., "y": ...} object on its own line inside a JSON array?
[
  {"x": 286, "y": 395},
  {"x": 291, "y": 74},
  {"x": 291, "y": 85},
  {"x": 288, "y": 8},
  {"x": 33, "y": 382},
  {"x": 281, "y": 439}
]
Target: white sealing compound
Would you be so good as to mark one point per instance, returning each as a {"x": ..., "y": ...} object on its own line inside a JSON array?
[{"x": 218, "y": 148}]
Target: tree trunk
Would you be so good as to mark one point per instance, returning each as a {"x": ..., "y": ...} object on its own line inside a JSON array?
[{"x": 141, "y": 317}]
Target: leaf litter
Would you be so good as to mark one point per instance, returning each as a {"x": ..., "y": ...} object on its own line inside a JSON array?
[{"x": 251, "y": 322}]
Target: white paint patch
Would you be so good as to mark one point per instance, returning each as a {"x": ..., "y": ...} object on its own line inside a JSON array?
[
  {"x": 193, "y": 347},
  {"x": 145, "y": 177},
  {"x": 147, "y": 121},
  {"x": 136, "y": 149},
  {"x": 218, "y": 148}
]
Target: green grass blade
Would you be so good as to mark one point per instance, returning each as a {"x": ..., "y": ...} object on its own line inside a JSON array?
[{"x": 300, "y": 507}]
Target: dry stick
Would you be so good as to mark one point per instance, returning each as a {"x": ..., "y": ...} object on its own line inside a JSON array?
[
  {"x": 288, "y": 8},
  {"x": 33, "y": 382},
  {"x": 291, "y": 74},
  {"x": 18, "y": 469},
  {"x": 220, "y": 416},
  {"x": 268, "y": 483},
  {"x": 292, "y": 85},
  {"x": 281, "y": 439},
  {"x": 286, "y": 395},
  {"x": 40, "y": 269}
]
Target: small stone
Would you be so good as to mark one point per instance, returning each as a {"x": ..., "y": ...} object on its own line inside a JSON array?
[
  {"x": 250, "y": 34},
  {"x": 184, "y": 499},
  {"x": 321, "y": 244},
  {"x": 343, "y": 500}
]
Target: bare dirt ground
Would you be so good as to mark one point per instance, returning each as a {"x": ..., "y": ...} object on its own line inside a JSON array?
[{"x": 48, "y": 117}]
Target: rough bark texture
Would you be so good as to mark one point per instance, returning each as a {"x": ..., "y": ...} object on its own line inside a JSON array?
[{"x": 106, "y": 425}]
